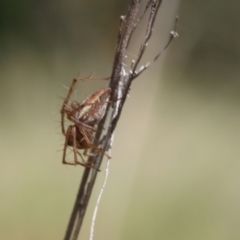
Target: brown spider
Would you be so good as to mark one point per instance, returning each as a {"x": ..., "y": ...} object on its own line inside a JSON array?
[{"x": 84, "y": 116}]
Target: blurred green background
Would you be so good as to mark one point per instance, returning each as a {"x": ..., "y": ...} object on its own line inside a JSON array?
[{"x": 174, "y": 172}]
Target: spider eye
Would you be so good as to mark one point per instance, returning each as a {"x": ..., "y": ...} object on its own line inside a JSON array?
[{"x": 75, "y": 105}]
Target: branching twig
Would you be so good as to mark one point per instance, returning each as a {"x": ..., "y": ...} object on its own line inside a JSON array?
[{"x": 120, "y": 84}]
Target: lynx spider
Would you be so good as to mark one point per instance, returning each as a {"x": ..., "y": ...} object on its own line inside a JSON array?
[{"x": 84, "y": 116}]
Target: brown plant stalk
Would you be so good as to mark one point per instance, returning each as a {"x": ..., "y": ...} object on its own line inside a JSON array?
[{"x": 120, "y": 83}]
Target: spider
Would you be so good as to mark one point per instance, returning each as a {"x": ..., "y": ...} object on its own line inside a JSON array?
[{"x": 84, "y": 116}]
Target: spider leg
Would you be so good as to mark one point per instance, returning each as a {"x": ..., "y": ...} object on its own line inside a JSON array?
[
  {"x": 71, "y": 132},
  {"x": 66, "y": 146},
  {"x": 65, "y": 103},
  {"x": 75, "y": 151},
  {"x": 87, "y": 134}
]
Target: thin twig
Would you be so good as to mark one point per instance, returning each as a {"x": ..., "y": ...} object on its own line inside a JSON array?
[{"x": 120, "y": 84}]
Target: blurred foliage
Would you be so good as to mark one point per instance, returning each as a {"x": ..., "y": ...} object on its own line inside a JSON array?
[
  {"x": 210, "y": 42},
  {"x": 49, "y": 24}
]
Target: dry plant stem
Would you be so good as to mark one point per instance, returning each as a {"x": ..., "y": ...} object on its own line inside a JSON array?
[{"x": 120, "y": 84}]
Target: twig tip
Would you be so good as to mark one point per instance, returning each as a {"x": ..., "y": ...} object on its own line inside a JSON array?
[{"x": 174, "y": 34}]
